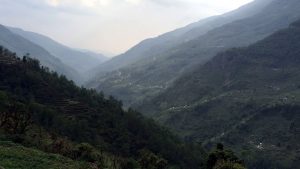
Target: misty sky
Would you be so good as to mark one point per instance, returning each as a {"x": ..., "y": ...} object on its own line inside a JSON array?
[{"x": 107, "y": 25}]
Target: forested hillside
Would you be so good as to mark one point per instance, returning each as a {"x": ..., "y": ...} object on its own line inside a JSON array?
[
  {"x": 248, "y": 98},
  {"x": 43, "y": 110}
]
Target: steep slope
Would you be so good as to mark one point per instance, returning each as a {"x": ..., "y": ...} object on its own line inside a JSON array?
[
  {"x": 54, "y": 115},
  {"x": 23, "y": 46},
  {"x": 248, "y": 98},
  {"x": 148, "y": 77},
  {"x": 156, "y": 46},
  {"x": 78, "y": 60}
]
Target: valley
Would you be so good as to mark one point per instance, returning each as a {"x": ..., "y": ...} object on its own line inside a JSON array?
[{"x": 219, "y": 93}]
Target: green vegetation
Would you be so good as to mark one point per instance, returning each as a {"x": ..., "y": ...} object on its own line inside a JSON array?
[
  {"x": 46, "y": 111},
  {"x": 248, "y": 98},
  {"x": 13, "y": 156}
]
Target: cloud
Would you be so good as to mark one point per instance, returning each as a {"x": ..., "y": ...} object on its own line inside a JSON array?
[
  {"x": 90, "y": 3},
  {"x": 54, "y": 2}
]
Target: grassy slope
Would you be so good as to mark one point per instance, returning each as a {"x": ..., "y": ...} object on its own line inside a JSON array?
[{"x": 13, "y": 156}]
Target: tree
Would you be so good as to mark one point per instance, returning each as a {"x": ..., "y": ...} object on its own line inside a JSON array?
[
  {"x": 223, "y": 159},
  {"x": 87, "y": 152},
  {"x": 228, "y": 165},
  {"x": 149, "y": 160},
  {"x": 1, "y": 50},
  {"x": 18, "y": 119}
]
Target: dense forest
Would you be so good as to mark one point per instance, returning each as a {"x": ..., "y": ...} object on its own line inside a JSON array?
[{"x": 44, "y": 110}]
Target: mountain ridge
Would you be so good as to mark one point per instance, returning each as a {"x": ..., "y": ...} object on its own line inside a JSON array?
[
  {"x": 151, "y": 76},
  {"x": 81, "y": 61},
  {"x": 154, "y": 46},
  {"x": 23, "y": 46}
]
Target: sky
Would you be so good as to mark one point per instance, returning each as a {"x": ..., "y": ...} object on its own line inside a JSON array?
[{"x": 108, "y": 26}]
